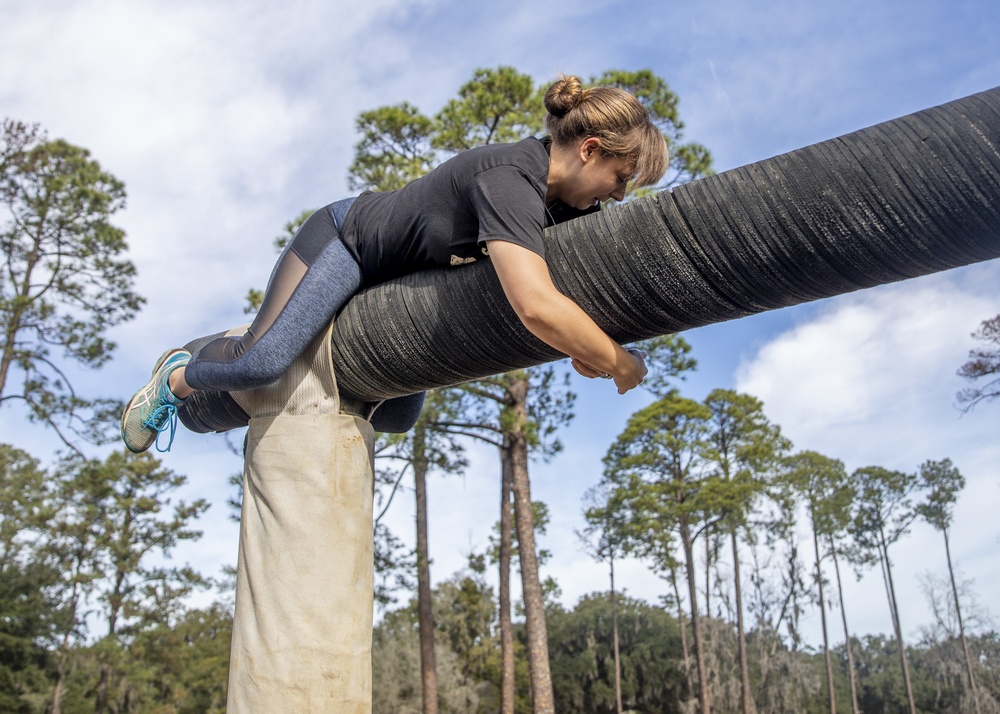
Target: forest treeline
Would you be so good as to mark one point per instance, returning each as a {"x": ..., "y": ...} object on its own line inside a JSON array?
[
  {"x": 748, "y": 535},
  {"x": 92, "y": 621},
  {"x": 783, "y": 679}
]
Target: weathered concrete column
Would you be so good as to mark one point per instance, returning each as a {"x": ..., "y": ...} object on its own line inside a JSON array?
[{"x": 304, "y": 583}]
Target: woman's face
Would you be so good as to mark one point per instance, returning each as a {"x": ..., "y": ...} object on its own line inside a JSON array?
[{"x": 595, "y": 177}]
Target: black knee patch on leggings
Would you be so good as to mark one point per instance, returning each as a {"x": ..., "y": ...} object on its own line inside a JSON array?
[
  {"x": 314, "y": 235},
  {"x": 397, "y": 416}
]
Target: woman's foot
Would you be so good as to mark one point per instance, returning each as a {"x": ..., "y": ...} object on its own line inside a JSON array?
[{"x": 153, "y": 409}]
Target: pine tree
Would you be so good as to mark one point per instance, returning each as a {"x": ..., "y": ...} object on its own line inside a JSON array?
[{"x": 65, "y": 282}]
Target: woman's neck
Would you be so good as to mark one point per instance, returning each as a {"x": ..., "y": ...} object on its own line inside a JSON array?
[{"x": 560, "y": 158}]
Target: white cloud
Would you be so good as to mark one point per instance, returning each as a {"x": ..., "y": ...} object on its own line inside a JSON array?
[
  {"x": 223, "y": 120},
  {"x": 883, "y": 358}
]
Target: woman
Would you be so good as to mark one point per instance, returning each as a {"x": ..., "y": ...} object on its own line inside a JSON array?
[{"x": 490, "y": 201}]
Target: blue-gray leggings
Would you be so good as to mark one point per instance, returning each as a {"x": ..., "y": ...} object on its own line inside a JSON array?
[{"x": 312, "y": 280}]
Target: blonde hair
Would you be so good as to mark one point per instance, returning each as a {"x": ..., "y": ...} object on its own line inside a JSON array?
[{"x": 612, "y": 115}]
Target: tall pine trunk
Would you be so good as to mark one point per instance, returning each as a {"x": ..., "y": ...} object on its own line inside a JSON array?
[
  {"x": 708, "y": 572},
  {"x": 425, "y": 611},
  {"x": 822, "y": 617},
  {"x": 699, "y": 650},
  {"x": 961, "y": 626},
  {"x": 116, "y": 600},
  {"x": 683, "y": 628},
  {"x": 746, "y": 698},
  {"x": 506, "y": 629},
  {"x": 847, "y": 633},
  {"x": 55, "y": 706},
  {"x": 534, "y": 604},
  {"x": 614, "y": 629},
  {"x": 893, "y": 607},
  {"x": 102, "y": 689}
]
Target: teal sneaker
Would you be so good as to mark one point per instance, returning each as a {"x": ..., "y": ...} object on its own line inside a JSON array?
[{"x": 153, "y": 409}]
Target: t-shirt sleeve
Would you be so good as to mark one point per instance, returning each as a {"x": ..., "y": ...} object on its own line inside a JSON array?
[{"x": 509, "y": 208}]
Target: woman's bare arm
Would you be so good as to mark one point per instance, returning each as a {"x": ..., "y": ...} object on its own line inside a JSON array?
[{"x": 558, "y": 321}]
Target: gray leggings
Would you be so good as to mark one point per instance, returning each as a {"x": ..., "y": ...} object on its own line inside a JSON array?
[{"x": 312, "y": 280}]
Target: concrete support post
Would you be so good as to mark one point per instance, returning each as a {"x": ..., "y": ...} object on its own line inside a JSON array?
[{"x": 304, "y": 584}]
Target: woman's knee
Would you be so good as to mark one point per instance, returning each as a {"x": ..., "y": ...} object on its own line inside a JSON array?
[{"x": 397, "y": 416}]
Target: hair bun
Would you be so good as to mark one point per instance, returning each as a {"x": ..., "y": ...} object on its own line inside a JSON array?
[{"x": 564, "y": 94}]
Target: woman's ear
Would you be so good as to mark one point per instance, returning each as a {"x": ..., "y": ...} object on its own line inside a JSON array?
[{"x": 590, "y": 148}]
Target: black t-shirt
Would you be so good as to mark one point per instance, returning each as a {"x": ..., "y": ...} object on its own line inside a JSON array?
[{"x": 494, "y": 192}]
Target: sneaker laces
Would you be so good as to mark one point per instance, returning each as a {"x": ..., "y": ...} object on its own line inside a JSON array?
[{"x": 164, "y": 417}]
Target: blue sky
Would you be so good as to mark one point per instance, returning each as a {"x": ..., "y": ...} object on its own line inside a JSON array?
[{"x": 226, "y": 119}]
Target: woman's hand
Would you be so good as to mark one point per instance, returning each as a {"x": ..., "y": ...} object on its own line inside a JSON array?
[
  {"x": 633, "y": 372},
  {"x": 587, "y": 371},
  {"x": 626, "y": 380}
]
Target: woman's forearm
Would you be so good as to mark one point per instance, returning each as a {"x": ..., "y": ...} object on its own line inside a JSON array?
[
  {"x": 562, "y": 324},
  {"x": 558, "y": 321}
]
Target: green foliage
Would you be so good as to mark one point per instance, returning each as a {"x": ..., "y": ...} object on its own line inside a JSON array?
[
  {"x": 110, "y": 530},
  {"x": 665, "y": 440},
  {"x": 28, "y": 609},
  {"x": 185, "y": 667},
  {"x": 984, "y": 363},
  {"x": 116, "y": 510},
  {"x": 395, "y": 565},
  {"x": 540, "y": 516},
  {"x": 657, "y": 464},
  {"x": 614, "y": 528},
  {"x": 465, "y": 614},
  {"x": 880, "y": 679},
  {"x": 583, "y": 660},
  {"x": 606, "y": 535},
  {"x": 467, "y": 651},
  {"x": 181, "y": 668},
  {"x": 823, "y": 484},
  {"x": 394, "y": 149},
  {"x": 669, "y": 357},
  {"x": 744, "y": 449},
  {"x": 496, "y": 106},
  {"x": 82, "y": 541},
  {"x": 942, "y": 482},
  {"x": 65, "y": 282},
  {"x": 883, "y": 511},
  {"x": 396, "y": 663}
]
